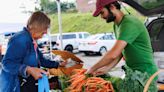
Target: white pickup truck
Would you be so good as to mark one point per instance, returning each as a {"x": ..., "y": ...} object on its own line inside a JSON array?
[{"x": 70, "y": 40}]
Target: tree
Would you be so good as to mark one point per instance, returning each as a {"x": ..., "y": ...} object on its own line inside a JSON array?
[
  {"x": 48, "y": 7},
  {"x": 51, "y": 6}
]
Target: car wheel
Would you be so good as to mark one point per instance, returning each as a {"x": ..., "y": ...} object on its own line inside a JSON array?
[
  {"x": 69, "y": 48},
  {"x": 87, "y": 53},
  {"x": 102, "y": 51}
]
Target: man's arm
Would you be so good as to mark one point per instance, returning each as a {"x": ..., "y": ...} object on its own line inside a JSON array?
[
  {"x": 113, "y": 63},
  {"x": 110, "y": 56},
  {"x": 107, "y": 68}
]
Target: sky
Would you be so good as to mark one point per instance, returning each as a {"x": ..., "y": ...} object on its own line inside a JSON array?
[{"x": 11, "y": 10}]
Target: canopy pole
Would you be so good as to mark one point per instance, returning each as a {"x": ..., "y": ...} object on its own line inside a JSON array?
[{"x": 60, "y": 24}]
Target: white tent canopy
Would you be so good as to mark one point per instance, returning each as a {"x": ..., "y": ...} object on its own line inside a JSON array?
[{"x": 11, "y": 27}]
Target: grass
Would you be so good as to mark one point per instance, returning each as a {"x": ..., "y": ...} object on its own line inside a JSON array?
[{"x": 76, "y": 22}]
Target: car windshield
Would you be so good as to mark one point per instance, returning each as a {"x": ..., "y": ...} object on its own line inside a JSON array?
[
  {"x": 68, "y": 36},
  {"x": 86, "y": 35},
  {"x": 150, "y": 4},
  {"x": 94, "y": 37}
]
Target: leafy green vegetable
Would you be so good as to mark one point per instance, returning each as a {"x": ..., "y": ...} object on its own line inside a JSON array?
[
  {"x": 135, "y": 81},
  {"x": 88, "y": 75},
  {"x": 63, "y": 82}
]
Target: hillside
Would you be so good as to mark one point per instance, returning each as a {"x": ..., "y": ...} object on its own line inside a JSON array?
[{"x": 76, "y": 22}]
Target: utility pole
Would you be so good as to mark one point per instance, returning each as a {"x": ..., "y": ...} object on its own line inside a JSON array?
[
  {"x": 60, "y": 23},
  {"x": 60, "y": 27}
]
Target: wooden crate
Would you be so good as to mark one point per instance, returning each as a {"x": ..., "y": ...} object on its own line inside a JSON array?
[{"x": 65, "y": 55}]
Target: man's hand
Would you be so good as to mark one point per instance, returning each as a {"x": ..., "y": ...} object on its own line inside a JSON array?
[
  {"x": 101, "y": 71},
  {"x": 91, "y": 71},
  {"x": 36, "y": 72}
]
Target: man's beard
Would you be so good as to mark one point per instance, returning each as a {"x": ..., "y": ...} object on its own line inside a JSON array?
[{"x": 110, "y": 17}]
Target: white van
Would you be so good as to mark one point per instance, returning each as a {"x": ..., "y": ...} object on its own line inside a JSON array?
[
  {"x": 70, "y": 40},
  {"x": 3, "y": 44}
]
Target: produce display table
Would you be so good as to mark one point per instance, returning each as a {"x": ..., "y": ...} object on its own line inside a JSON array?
[{"x": 62, "y": 78}]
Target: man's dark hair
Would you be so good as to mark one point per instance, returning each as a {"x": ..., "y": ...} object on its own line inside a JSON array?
[{"x": 118, "y": 6}]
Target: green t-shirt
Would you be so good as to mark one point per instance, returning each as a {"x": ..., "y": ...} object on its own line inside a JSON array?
[{"x": 138, "y": 52}]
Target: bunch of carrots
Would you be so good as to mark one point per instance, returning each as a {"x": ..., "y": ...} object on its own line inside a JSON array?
[{"x": 80, "y": 82}]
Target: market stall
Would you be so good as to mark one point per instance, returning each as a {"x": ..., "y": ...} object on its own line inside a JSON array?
[{"x": 73, "y": 77}]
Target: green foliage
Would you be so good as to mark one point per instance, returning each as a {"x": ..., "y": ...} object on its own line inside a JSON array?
[
  {"x": 67, "y": 6},
  {"x": 151, "y": 4},
  {"x": 63, "y": 81},
  {"x": 51, "y": 6}
]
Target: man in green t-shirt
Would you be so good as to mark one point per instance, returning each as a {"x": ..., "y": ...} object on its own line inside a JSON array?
[{"x": 133, "y": 43}]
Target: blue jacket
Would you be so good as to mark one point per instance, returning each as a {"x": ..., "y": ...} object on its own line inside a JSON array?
[{"x": 20, "y": 54}]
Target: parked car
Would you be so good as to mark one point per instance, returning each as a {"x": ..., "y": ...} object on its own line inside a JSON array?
[
  {"x": 155, "y": 26},
  {"x": 7, "y": 31},
  {"x": 3, "y": 42},
  {"x": 70, "y": 40},
  {"x": 98, "y": 44},
  {"x": 154, "y": 9}
]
